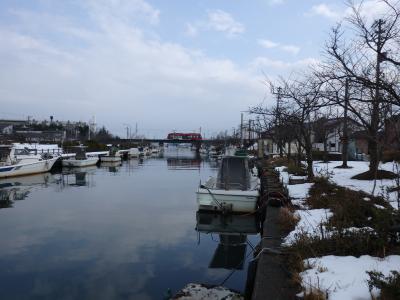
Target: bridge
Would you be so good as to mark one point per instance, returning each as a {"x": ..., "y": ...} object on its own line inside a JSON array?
[{"x": 128, "y": 143}]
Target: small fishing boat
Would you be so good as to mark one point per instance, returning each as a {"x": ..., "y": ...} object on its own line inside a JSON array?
[
  {"x": 134, "y": 153},
  {"x": 203, "y": 151},
  {"x": 80, "y": 159},
  {"x": 155, "y": 151},
  {"x": 213, "y": 153},
  {"x": 113, "y": 156},
  {"x": 17, "y": 163},
  {"x": 235, "y": 189}
]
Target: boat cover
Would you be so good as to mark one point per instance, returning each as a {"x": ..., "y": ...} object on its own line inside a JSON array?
[{"x": 234, "y": 174}]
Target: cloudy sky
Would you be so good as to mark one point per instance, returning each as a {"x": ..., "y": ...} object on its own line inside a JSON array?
[{"x": 165, "y": 64}]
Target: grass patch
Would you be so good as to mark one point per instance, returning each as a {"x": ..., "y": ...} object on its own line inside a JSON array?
[
  {"x": 340, "y": 244},
  {"x": 380, "y": 174},
  {"x": 278, "y": 161},
  {"x": 389, "y": 285},
  {"x": 296, "y": 170},
  {"x": 287, "y": 219},
  {"x": 371, "y": 233},
  {"x": 356, "y": 209},
  {"x": 361, "y": 224}
]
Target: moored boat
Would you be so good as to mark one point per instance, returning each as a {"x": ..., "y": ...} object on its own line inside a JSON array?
[
  {"x": 113, "y": 156},
  {"x": 80, "y": 159},
  {"x": 133, "y": 153},
  {"x": 17, "y": 164},
  {"x": 235, "y": 189}
]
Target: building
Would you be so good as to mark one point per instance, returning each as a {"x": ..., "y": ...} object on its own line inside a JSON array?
[{"x": 327, "y": 134}]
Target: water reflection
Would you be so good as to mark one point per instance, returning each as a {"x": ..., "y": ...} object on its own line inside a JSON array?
[
  {"x": 232, "y": 231},
  {"x": 77, "y": 177},
  {"x": 86, "y": 234},
  {"x": 18, "y": 188},
  {"x": 183, "y": 163},
  {"x": 111, "y": 166}
]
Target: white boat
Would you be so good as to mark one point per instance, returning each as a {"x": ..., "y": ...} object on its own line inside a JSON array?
[
  {"x": 72, "y": 162},
  {"x": 203, "y": 151},
  {"x": 14, "y": 163},
  {"x": 213, "y": 153},
  {"x": 134, "y": 153},
  {"x": 112, "y": 156},
  {"x": 235, "y": 189},
  {"x": 80, "y": 159},
  {"x": 147, "y": 151}
]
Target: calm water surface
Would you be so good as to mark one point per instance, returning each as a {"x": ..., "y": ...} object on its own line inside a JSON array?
[{"x": 114, "y": 232}]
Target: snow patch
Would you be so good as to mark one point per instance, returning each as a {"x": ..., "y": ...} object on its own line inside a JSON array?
[
  {"x": 343, "y": 177},
  {"x": 345, "y": 277},
  {"x": 194, "y": 291},
  {"x": 310, "y": 223}
]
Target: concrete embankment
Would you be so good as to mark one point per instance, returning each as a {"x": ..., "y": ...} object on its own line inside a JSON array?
[{"x": 272, "y": 281}]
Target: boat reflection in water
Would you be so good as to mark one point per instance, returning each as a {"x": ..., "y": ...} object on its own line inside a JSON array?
[
  {"x": 112, "y": 166},
  {"x": 175, "y": 163},
  {"x": 18, "y": 188},
  {"x": 77, "y": 176},
  {"x": 233, "y": 231}
]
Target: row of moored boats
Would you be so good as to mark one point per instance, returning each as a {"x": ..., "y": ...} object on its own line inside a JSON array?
[{"x": 26, "y": 159}]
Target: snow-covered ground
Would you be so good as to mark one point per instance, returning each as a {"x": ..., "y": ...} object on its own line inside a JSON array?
[
  {"x": 194, "y": 291},
  {"x": 342, "y": 177},
  {"x": 297, "y": 192},
  {"x": 345, "y": 277},
  {"x": 310, "y": 222},
  {"x": 340, "y": 277}
]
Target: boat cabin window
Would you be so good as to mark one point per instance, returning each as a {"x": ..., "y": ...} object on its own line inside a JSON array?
[{"x": 24, "y": 151}]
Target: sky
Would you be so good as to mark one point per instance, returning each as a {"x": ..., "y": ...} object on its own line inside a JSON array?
[{"x": 165, "y": 65}]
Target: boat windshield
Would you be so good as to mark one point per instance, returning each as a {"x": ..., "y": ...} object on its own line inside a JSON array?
[
  {"x": 24, "y": 151},
  {"x": 233, "y": 174}
]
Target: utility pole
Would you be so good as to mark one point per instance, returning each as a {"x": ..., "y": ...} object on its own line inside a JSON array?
[
  {"x": 278, "y": 121},
  {"x": 345, "y": 137},
  {"x": 241, "y": 129}
]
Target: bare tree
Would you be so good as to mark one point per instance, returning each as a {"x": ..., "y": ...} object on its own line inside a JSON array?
[
  {"x": 364, "y": 62},
  {"x": 303, "y": 102}
]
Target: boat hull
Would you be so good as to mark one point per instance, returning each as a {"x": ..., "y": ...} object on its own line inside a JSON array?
[
  {"x": 232, "y": 200},
  {"x": 110, "y": 158},
  {"x": 74, "y": 163},
  {"x": 27, "y": 168}
]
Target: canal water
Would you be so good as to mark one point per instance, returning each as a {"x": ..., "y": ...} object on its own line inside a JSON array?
[{"x": 117, "y": 232}]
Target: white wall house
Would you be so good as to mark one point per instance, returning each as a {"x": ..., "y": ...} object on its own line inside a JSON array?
[{"x": 333, "y": 131}]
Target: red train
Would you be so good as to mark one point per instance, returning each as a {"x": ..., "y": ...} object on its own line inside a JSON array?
[{"x": 184, "y": 136}]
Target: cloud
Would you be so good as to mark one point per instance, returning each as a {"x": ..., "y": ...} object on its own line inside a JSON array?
[
  {"x": 370, "y": 10},
  {"x": 191, "y": 30},
  {"x": 216, "y": 20},
  {"x": 116, "y": 71},
  {"x": 324, "y": 10},
  {"x": 222, "y": 21},
  {"x": 125, "y": 10},
  {"x": 268, "y": 44},
  {"x": 291, "y": 49},
  {"x": 282, "y": 66}
]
